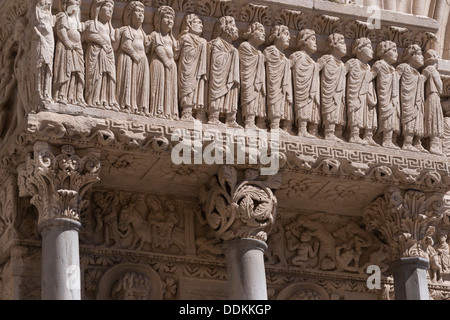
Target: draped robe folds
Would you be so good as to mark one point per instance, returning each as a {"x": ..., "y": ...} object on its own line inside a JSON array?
[
  {"x": 279, "y": 85},
  {"x": 388, "y": 92},
  {"x": 192, "y": 71},
  {"x": 224, "y": 77},
  {"x": 361, "y": 96},
  {"x": 100, "y": 68},
  {"x": 333, "y": 80},
  {"x": 69, "y": 63},
  {"x": 163, "y": 80},
  {"x": 412, "y": 100},
  {"x": 133, "y": 77},
  {"x": 434, "y": 115},
  {"x": 43, "y": 47},
  {"x": 253, "y": 81},
  {"x": 306, "y": 76}
]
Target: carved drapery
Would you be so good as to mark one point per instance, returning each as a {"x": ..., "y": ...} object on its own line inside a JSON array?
[
  {"x": 58, "y": 183},
  {"x": 240, "y": 209},
  {"x": 33, "y": 54},
  {"x": 406, "y": 221}
]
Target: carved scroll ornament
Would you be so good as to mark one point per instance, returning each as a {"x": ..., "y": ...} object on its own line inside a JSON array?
[
  {"x": 58, "y": 183},
  {"x": 244, "y": 209}
]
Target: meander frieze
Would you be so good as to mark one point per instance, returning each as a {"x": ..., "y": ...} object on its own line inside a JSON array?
[{"x": 318, "y": 157}]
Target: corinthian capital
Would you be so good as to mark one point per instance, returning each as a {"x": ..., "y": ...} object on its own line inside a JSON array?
[
  {"x": 405, "y": 221},
  {"x": 240, "y": 207},
  {"x": 56, "y": 182}
]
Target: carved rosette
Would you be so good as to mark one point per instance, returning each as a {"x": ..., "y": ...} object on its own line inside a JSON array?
[
  {"x": 58, "y": 183},
  {"x": 237, "y": 210},
  {"x": 405, "y": 221}
]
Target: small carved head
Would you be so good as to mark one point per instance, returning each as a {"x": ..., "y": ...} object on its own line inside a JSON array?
[
  {"x": 280, "y": 36},
  {"x": 164, "y": 18},
  {"x": 64, "y": 5},
  {"x": 45, "y": 4},
  {"x": 306, "y": 40},
  {"x": 336, "y": 45},
  {"x": 133, "y": 14},
  {"x": 255, "y": 33},
  {"x": 226, "y": 28},
  {"x": 431, "y": 57},
  {"x": 362, "y": 48},
  {"x": 387, "y": 50},
  {"x": 102, "y": 9},
  {"x": 413, "y": 55},
  {"x": 192, "y": 24}
]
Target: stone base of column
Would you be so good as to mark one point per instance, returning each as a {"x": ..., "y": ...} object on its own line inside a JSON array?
[
  {"x": 60, "y": 260},
  {"x": 246, "y": 271},
  {"x": 410, "y": 278}
]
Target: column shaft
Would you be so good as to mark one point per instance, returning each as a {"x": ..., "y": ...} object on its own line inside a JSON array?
[
  {"x": 410, "y": 279},
  {"x": 246, "y": 271},
  {"x": 60, "y": 260}
]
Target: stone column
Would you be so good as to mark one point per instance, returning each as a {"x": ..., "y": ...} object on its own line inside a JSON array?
[
  {"x": 57, "y": 184},
  {"x": 407, "y": 221},
  {"x": 242, "y": 213},
  {"x": 410, "y": 278}
]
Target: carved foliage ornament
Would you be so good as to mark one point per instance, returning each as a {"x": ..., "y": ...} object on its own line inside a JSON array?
[
  {"x": 244, "y": 209},
  {"x": 405, "y": 221},
  {"x": 58, "y": 183}
]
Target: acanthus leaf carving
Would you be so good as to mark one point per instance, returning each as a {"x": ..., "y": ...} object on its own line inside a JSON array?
[
  {"x": 58, "y": 183},
  {"x": 405, "y": 221},
  {"x": 326, "y": 24},
  {"x": 256, "y": 13}
]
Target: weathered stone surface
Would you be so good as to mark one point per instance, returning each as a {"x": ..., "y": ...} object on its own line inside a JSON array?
[{"x": 316, "y": 131}]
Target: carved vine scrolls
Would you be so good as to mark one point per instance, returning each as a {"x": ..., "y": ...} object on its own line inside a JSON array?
[{"x": 244, "y": 209}]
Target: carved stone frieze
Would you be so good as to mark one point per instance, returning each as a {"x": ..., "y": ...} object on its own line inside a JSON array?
[
  {"x": 57, "y": 182},
  {"x": 137, "y": 222}
]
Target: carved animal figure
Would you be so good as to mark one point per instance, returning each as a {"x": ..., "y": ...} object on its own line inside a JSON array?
[{"x": 141, "y": 228}]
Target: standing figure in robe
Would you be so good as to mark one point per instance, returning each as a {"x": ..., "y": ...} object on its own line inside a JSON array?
[
  {"x": 434, "y": 114},
  {"x": 192, "y": 68},
  {"x": 306, "y": 77},
  {"x": 412, "y": 86},
  {"x": 333, "y": 81},
  {"x": 100, "y": 59},
  {"x": 163, "y": 68},
  {"x": 224, "y": 79},
  {"x": 133, "y": 71},
  {"x": 69, "y": 77},
  {"x": 43, "y": 46},
  {"x": 361, "y": 95},
  {"x": 388, "y": 93},
  {"x": 279, "y": 80},
  {"x": 253, "y": 77}
]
